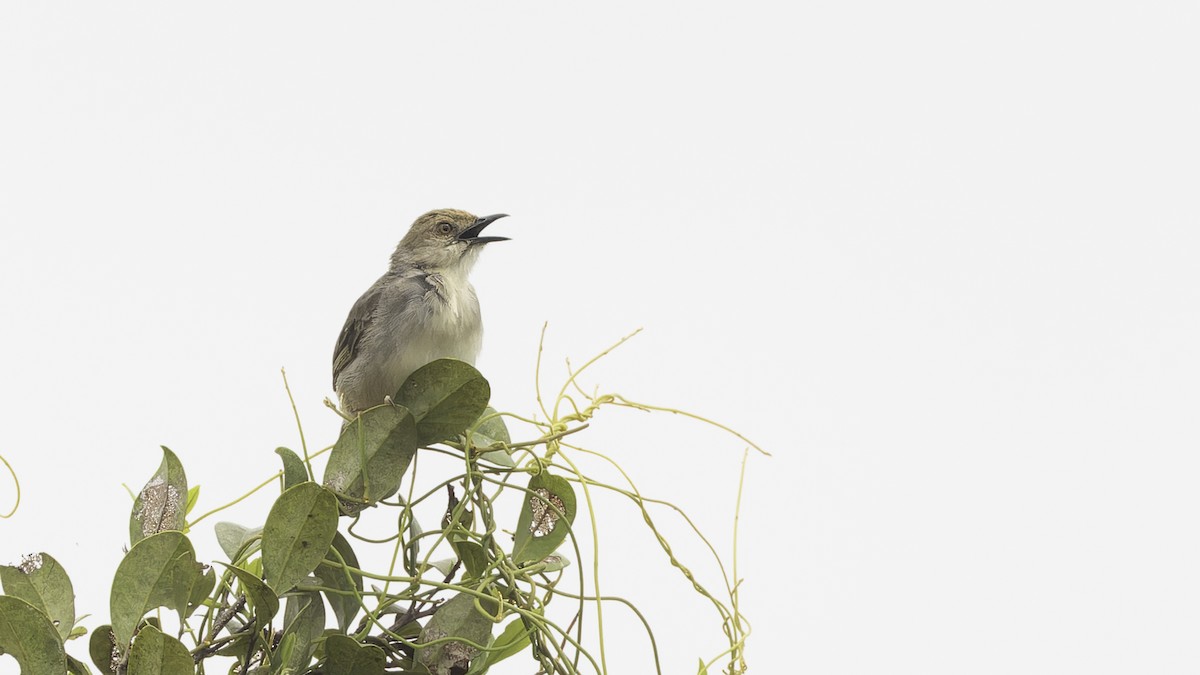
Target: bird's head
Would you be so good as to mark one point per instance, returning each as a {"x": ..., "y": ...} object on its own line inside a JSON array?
[{"x": 444, "y": 239}]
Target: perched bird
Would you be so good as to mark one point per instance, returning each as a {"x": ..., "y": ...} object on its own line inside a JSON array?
[{"x": 421, "y": 310}]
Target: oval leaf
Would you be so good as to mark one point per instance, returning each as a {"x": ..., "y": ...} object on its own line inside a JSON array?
[
  {"x": 294, "y": 472},
  {"x": 491, "y": 433},
  {"x": 159, "y": 571},
  {"x": 473, "y": 556},
  {"x": 102, "y": 647},
  {"x": 491, "y": 439},
  {"x": 262, "y": 600},
  {"x": 27, "y": 635},
  {"x": 512, "y": 640},
  {"x": 153, "y": 653},
  {"x": 303, "y": 622},
  {"x": 344, "y": 656},
  {"x": 457, "y": 618},
  {"x": 545, "y": 518},
  {"x": 297, "y": 534},
  {"x": 42, "y": 582},
  {"x": 371, "y": 456},
  {"x": 193, "y": 497},
  {"x": 345, "y": 605},
  {"x": 77, "y": 667},
  {"x": 555, "y": 562},
  {"x": 162, "y": 503},
  {"x": 201, "y": 588},
  {"x": 499, "y": 458},
  {"x": 233, "y": 539},
  {"x": 445, "y": 396}
]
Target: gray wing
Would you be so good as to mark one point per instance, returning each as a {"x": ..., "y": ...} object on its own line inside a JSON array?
[{"x": 361, "y": 315}]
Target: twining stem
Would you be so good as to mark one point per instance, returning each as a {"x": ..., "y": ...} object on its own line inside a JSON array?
[
  {"x": 299, "y": 426},
  {"x": 738, "y": 657},
  {"x": 522, "y": 590},
  {"x": 587, "y": 495},
  {"x": 576, "y": 373},
  {"x": 274, "y": 477},
  {"x": 614, "y": 598},
  {"x": 624, "y": 402},
  {"x": 17, "y": 484}
]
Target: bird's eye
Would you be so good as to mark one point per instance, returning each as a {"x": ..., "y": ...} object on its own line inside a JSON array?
[{"x": 445, "y": 228}]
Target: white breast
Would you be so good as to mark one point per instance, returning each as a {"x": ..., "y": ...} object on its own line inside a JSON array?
[{"x": 452, "y": 329}]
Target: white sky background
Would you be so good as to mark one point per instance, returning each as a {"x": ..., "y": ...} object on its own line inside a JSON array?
[{"x": 940, "y": 261}]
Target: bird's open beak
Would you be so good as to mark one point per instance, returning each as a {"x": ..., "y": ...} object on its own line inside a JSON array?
[{"x": 471, "y": 234}]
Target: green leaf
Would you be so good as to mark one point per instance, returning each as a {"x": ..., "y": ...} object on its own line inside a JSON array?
[
  {"x": 294, "y": 472},
  {"x": 443, "y": 565},
  {"x": 193, "y": 496},
  {"x": 154, "y": 653},
  {"x": 371, "y": 456},
  {"x": 282, "y": 656},
  {"x": 555, "y": 562},
  {"x": 511, "y": 641},
  {"x": 253, "y": 566},
  {"x": 491, "y": 439},
  {"x": 162, "y": 504},
  {"x": 77, "y": 667},
  {"x": 102, "y": 648},
  {"x": 491, "y": 433},
  {"x": 457, "y": 618},
  {"x": 297, "y": 534},
  {"x": 42, "y": 582},
  {"x": 262, "y": 599},
  {"x": 27, "y": 635},
  {"x": 159, "y": 571},
  {"x": 345, "y": 605},
  {"x": 545, "y": 518},
  {"x": 201, "y": 588},
  {"x": 445, "y": 396},
  {"x": 345, "y": 656},
  {"x": 304, "y": 621},
  {"x": 233, "y": 539},
  {"x": 472, "y": 555},
  {"x": 412, "y": 548},
  {"x": 499, "y": 457}
]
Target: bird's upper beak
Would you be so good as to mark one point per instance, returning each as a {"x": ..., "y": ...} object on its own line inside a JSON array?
[{"x": 471, "y": 234}]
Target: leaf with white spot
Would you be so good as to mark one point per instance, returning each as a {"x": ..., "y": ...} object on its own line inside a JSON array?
[
  {"x": 162, "y": 503},
  {"x": 42, "y": 582},
  {"x": 545, "y": 518}
]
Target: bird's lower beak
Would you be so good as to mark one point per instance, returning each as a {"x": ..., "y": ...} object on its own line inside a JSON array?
[{"x": 471, "y": 234}]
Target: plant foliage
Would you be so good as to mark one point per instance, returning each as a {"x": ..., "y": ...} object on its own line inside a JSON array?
[{"x": 264, "y": 608}]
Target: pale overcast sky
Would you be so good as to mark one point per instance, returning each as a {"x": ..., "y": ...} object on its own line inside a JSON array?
[{"x": 940, "y": 259}]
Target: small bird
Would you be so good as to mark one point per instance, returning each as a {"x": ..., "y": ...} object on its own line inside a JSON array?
[{"x": 422, "y": 309}]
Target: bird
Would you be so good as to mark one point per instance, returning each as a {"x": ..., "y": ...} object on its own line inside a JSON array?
[{"x": 422, "y": 309}]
